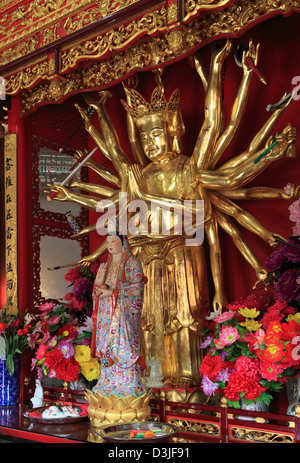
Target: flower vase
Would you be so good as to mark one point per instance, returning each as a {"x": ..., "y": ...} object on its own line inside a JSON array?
[
  {"x": 293, "y": 393},
  {"x": 10, "y": 385},
  {"x": 253, "y": 407}
]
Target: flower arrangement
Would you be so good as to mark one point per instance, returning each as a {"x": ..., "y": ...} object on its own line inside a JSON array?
[
  {"x": 62, "y": 335},
  {"x": 13, "y": 336},
  {"x": 251, "y": 350},
  {"x": 283, "y": 264}
]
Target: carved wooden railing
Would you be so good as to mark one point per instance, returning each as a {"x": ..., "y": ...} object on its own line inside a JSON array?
[{"x": 204, "y": 423}]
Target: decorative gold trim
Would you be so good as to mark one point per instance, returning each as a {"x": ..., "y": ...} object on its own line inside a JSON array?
[
  {"x": 241, "y": 433},
  {"x": 192, "y": 7},
  {"x": 11, "y": 232},
  {"x": 19, "y": 23},
  {"x": 160, "y": 50},
  {"x": 196, "y": 426},
  {"x": 114, "y": 40}
]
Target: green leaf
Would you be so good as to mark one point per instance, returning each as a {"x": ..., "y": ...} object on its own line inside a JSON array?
[
  {"x": 10, "y": 364},
  {"x": 233, "y": 404},
  {"x": 265, "y": 397},
  {"x": 274, "y": 386}
]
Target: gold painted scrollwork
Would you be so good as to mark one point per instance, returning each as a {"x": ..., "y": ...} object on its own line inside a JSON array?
[{"x": 254, "y": 435}]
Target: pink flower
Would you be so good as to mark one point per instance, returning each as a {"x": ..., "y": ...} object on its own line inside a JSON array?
[
  {"x": 259, "y": 338},
  {"x": 296, "y": 229},
  {"x": 46, "y": 307},
  {"x": 228, "y": 335},
  {"x": 295, "y": 211},
  {"x": 224, "y": 317},
  {"x": 54, "y": 320}
]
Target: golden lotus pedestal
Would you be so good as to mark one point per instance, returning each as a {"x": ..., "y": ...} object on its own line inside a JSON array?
[{"x": 106, "y": 410}]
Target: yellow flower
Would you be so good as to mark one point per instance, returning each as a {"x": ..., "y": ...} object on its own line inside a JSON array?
[
  {"x": 249, "y": 313},
  {"x": 82, "y": 353},
  {"x": 295, "y": 317},
  {"x": 251, "y": 325},
  {"x": 91, "y": 369}
]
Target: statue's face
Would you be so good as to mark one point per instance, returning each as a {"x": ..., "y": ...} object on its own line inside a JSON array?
[
  {"x": 154, "y": 137},
  {"x": 114, "y": 245}
]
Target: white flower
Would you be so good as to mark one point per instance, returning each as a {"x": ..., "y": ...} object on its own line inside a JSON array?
[{"x": 214, "y": 314}]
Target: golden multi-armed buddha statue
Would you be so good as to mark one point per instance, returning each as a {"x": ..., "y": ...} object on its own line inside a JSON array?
[{"x": 176, "y": 298}]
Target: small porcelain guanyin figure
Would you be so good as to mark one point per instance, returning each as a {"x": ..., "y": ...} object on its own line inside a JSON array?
[{"x": 118, "y": 300}]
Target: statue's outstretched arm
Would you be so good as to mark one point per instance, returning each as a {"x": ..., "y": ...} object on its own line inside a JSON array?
[
  {"x": 95, "y": 134},
  {"x": 213, "y": 110},
  {"x": 257, "y": 140},
  {"x": 212, "y": 235},
  {"x": 243, "y": 217},
  {"x": 64, "y": 194},
  {"x": 237, "y": 108},
  {"x": 88, "y": 260},
  {"x": 200, "y": 68},
  {"x": 100, "y": 190},
  {"x": 229, "y": 227},
  {"x": 261, "y": 192},
  {"x": 104, "y": 172},
  {"x": 117, "y": 155},
  {"x": 249, "y": 169}
]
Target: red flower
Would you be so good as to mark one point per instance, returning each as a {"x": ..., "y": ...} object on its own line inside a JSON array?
[
  {"x": 270, "y": 370},
  {"x": 254, "y": 390},
  {"x": 273, "y": 351},
  {"x": 15, "y": 323},
  {"x": 72, "y": 274},
  {"x": 274, "y": 329},
  {"x": 22, "y": 332},
  {"x": 41, "y": 352},
  {"x": 210, "y": 366},
  {"x": 2, "y": 326},
  {"x": 67, "y": 331},
  {"x": 53, "y": 358},
  {"x": 68, "y": 370},
  {"x": 248, "y": 367},
  {"x": 237, "y": 383},
  {"x": 290, "y": 330}
]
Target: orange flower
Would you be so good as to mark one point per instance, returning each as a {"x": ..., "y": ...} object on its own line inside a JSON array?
[
  {"x": 274, "y": 329},
  {"x": 273, "y": 351}
]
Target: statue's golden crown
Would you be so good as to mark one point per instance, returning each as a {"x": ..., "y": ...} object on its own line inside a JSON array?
[{"x": 139, "y": 107}]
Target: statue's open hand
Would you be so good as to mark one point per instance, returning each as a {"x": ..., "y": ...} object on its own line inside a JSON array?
[
  {"x": 84, "y": 116},
  {"x": 291, "y": 191},
  {"x": 86, "y": 261},
  {"x": 62, "y": 193},
  {"x": 284, "y": 140},
  {"x": 251, "y": 53},
  {"x": 101, "y": 273},
  {"x": 105, "y": 292}
]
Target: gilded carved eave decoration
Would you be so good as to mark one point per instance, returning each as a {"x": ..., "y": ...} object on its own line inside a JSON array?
[{"x": 51, "y": 49}]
